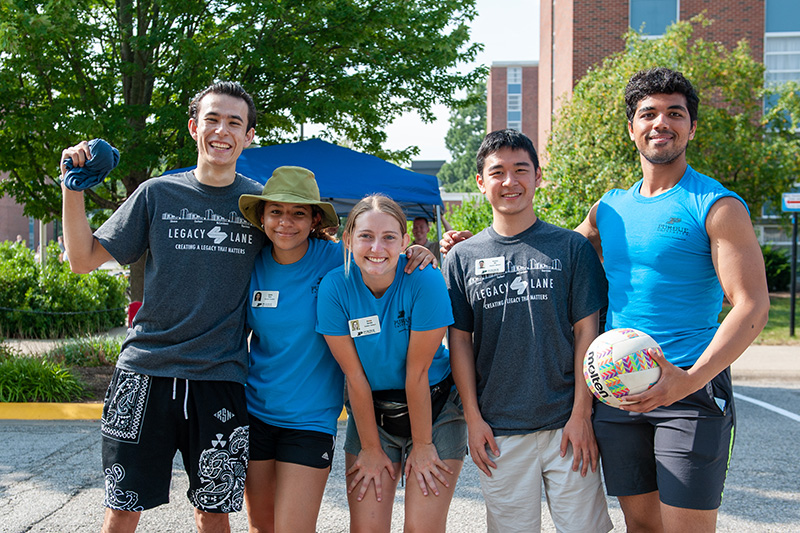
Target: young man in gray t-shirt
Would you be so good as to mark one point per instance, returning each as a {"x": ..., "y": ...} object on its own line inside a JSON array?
[
  {"x": 179, "y": 381},
  {"x": 526, "y": 297}
]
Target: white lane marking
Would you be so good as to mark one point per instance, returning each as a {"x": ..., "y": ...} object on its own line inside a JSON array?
[{"x": 768, "y": 406}]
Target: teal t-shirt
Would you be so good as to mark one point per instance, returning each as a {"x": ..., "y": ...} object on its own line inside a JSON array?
[
  {"x": 293, "y": 381},
  {"x": 656, "y": 253},
  {"x": 413, "y": 302}
]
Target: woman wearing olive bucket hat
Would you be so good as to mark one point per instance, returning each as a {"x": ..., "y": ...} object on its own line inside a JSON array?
[{"x": 294, "y": 385}]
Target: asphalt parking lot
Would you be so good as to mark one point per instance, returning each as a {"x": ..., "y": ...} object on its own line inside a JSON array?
[{"x": 50, "y": 475}]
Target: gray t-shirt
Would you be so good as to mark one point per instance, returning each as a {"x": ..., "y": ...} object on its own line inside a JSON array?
[
  {"x": 201, "y": 252},
  {"x": 520, "y": 296}
]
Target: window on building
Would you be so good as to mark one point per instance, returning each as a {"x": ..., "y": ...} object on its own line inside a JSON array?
[
  {"x": 782, "y": 43},
  {"x": 651, "y": 17},
  {"x": 514, "y": 98}
]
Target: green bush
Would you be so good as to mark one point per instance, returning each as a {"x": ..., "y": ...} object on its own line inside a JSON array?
[
  {"x": 55, "y": 302},
  {"x": 88, "y": 351},
  {"x": 474, "y": 216},
  {"x": 777, "y": 265},
  {"x": 37, "y": 379}
]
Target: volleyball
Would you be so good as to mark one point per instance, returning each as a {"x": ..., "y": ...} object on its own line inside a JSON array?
[{"x": 618, "y": 363}]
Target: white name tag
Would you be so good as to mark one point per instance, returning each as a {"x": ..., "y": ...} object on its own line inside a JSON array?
[
  {"x": 490, "y": 265},
  {"x": 369, "y": 325},
  {"x": 265, "y": 299}
]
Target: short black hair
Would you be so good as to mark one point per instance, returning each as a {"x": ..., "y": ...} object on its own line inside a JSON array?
[
  {"x": 499, "y": 139},
  {"x": 231, "y": 88},
  {"x": 659, "y": 80}
]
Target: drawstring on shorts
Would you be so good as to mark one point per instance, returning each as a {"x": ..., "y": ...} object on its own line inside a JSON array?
[{"x": 185, "y": 397}]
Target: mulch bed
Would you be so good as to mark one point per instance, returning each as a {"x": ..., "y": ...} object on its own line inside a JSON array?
[{"x": 95, "y": 380}]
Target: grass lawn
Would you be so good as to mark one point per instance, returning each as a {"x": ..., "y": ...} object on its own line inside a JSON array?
[{"x": 777, "y": 329}]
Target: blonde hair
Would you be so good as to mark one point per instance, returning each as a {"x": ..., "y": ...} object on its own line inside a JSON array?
[{"x": 373, "y": 202}]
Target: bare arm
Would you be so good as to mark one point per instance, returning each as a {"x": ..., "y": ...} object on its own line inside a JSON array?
[
  {"x": 462, "y": 362},
  {"x": 451, "y": 238},
  {"x": 588, "y": 228},
  {"x": 740, "y": 268},
  {"x": 578, "y": 430},
  {"x": 84, "y": 251},
  {"x": 423, "y": 459},
  {"x": 371, "y": 460},
  {"x": 418, "y": 257}
]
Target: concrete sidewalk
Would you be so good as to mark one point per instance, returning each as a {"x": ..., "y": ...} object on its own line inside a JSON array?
[
  {"x": 758, "y": 362},
  {"x": 768, "y": 362}
]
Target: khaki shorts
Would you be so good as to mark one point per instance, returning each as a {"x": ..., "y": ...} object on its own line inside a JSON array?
[
  {"x": 513, "y": 494},
  {"x": 449, "y": 434}
]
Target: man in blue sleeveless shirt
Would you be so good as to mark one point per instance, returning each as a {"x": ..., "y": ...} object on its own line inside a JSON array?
[{"x": 672, "y": 246}]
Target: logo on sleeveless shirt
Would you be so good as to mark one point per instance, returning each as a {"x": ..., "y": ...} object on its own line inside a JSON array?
[{"x": 674, "y": 229}]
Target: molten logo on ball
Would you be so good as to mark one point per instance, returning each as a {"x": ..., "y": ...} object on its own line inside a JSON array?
[{"x": 618, "y": 363}]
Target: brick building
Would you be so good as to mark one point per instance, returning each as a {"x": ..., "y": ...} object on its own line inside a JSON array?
[
  {"x": 13, "y": 222},
  {"x": 512, "y": 97},
  {"x": 577, "y": 34}
]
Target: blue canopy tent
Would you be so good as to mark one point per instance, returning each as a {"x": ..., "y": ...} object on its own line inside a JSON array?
[{"x": 345, "y": 176}]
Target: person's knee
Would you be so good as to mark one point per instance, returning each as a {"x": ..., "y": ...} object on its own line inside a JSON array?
[
  {"x": 427, "y": 524},
  {"x": 642, "y": 513},
  {"x": 116, "y": 521},
  {"x": 211, "y": 522}
]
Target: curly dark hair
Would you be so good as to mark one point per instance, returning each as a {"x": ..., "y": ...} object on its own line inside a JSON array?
[{"x": 660, "y": 80}]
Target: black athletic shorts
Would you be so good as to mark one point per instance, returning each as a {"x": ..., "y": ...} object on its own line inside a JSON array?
[
  {"x": 147, "y": 419},
  {"x": 682, "y": 451},
  {"x": 296, "y": 446}
]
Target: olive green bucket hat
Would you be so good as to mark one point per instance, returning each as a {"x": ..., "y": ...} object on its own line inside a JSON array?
[{"x": 289, "y": 185}]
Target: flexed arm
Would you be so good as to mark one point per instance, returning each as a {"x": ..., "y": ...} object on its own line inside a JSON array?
[{"x": 84, "y": 251}]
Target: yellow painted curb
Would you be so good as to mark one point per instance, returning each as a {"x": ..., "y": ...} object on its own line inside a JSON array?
[
  {"x": 63, "y": 411},
  {"x": 51, "y": 411}
]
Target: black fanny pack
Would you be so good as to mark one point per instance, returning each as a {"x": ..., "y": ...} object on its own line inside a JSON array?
[{"x": 391, "y": 407}]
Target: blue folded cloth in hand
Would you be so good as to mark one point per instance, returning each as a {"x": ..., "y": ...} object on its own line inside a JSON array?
[{"x": 104, "y": 160}]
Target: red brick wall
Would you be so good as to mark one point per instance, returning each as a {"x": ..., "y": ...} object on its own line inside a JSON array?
[
  {"x": 530, "y": 103},
  {"x": 734, "y": 20},
  {"x": 599, "y": 26},
  {"x": 12, "y": 221},
  {"x": 496, "y": 94},
  {"x": 577, "y": 34}
]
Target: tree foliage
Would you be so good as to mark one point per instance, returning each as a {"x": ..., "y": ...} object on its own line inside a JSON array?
[
  {"x": 125, "y": 71},
  {"x": 754, "y": 154},
  {"x": 467, "y": 130},
  {"x": 474, "y": 214}
]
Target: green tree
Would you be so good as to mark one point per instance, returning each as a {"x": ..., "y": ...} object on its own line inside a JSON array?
[
  {"x": 126, "y": 70},
  {"x": 467, "y": 129},
  {"x": 474, "y": 214},
  {"x": 756, "y": 155}
]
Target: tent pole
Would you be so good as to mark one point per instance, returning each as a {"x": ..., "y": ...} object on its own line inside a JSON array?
[{"x": 439, "y": 229}]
